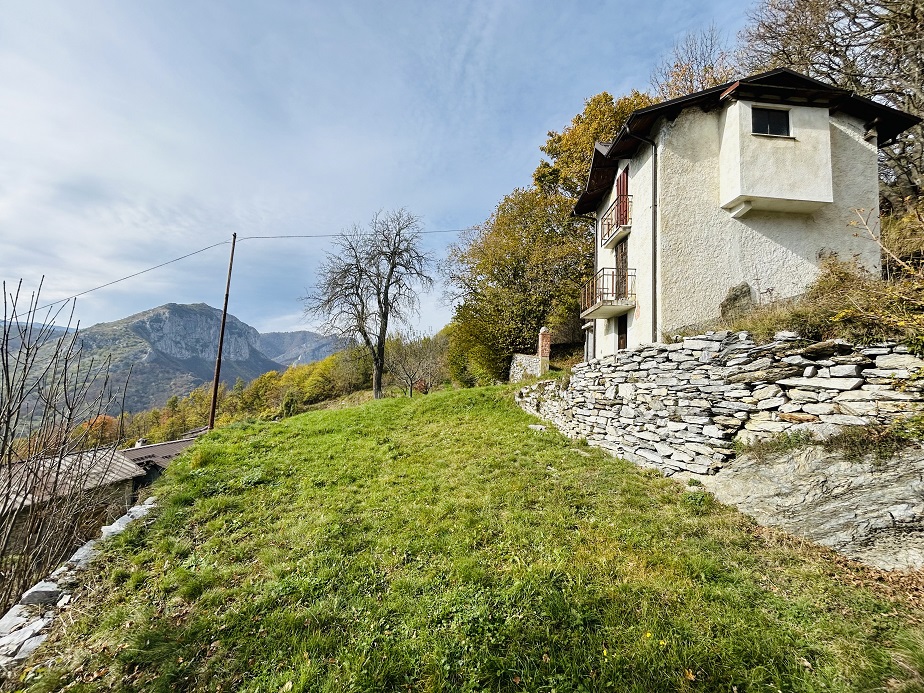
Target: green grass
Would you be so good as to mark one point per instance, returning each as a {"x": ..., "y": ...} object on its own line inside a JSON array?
[{"x": 438, "y": 544}]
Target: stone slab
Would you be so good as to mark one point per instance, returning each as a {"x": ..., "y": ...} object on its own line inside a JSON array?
[
  {"x": 43, "y": 593},
  {"x": 901, "y": 361},
  {"x": 29, "y": 646},
  {"x": 844, "y": 420},
  {"x": 13, "y": 619},
  {"x": 822, "y": 383}
]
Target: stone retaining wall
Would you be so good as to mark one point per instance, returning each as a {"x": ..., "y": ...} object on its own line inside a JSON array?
[
  {"x": 24, "y": 627},
  {"x": 524, "y": 366},
  {"x": 680, "y": 407}
]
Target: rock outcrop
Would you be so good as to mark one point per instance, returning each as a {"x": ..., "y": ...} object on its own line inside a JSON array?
[
  {"x": 868, "y": 509},
  {"x": 302, "y": 346},
  {"x": 171, "y": 351}
]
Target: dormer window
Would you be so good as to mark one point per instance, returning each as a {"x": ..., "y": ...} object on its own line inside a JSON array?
[{"x": 770, "y": 121}]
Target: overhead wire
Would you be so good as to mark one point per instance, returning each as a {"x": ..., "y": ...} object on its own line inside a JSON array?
[
  {"x": 334, "y": 235},
  {"x": 209, "y": 247},
  {"x": 131, "y": 276}
]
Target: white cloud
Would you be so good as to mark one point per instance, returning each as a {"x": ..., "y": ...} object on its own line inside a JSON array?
[{"x": 131, "y": 134}]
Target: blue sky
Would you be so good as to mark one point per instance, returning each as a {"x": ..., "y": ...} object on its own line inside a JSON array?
[{"x": 133, "y": 133}]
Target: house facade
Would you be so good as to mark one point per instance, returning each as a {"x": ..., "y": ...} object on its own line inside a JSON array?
[{"x": 736, "y": 192}]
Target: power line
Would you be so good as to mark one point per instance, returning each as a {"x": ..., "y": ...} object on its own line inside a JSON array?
[
  {"x": 130, "y": 276},
  {"x": 215, "y": 245},
  {"x": 335, "y": 235}
]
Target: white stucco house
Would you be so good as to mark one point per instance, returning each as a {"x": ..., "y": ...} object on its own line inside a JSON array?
[{"x": 751, "y": 182}]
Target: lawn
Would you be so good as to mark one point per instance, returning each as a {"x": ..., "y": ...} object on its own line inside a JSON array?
[{"x": 439, "y": 544}]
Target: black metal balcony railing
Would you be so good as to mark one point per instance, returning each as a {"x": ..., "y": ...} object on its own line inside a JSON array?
[
  {"x": 609, "y": 286},
  {"x": 618, "y": 214}
]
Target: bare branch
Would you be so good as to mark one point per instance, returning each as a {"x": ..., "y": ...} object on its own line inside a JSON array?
[
  {"x": 371, "y": 280},
  {"x": 698, "y": 61},
  {"x": 52, "y": 475}
]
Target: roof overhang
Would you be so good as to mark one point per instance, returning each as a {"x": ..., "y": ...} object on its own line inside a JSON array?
[{"x": 781, "y": 85}]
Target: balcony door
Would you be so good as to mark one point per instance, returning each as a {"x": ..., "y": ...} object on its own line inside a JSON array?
[
  {"x": 622, "y": 331},
  {"x": 621, "y": 280},
  {"x": 621, "y": 286},
  {"x": 622, "y": 196}
]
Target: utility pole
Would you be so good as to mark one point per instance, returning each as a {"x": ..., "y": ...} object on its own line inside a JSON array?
[{"x": 221, "y": 337}]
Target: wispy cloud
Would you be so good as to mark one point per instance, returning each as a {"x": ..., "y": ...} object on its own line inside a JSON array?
[{"x": 133, "y": 133}]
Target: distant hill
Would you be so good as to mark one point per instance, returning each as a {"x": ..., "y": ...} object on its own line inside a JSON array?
[
  {"x": 303, "y": 346},
  {"x": 12, "y": 330},
  {"x": 171, "y": 351}
]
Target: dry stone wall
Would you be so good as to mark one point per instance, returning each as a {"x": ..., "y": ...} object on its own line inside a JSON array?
[
  {"x": 680, "y": 407},
  {"x": 25, "y": 626},
  {"x": 524, "y": 366}
]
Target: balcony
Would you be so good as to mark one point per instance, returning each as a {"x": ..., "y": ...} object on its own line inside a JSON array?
[
  {"x": 609, "y": 293},
  {"x": 616, "y": 221}
]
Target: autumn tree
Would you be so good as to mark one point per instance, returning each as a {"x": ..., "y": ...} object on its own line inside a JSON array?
[
  {"x": 698, "y": 61},
  {"x": 519, "y": 271},
  {"x": 569, "y": 151},
  {"x": 523, "y": 268},
  {"x": 370, "y": 281},
  {"x": 99, "y": 430}
]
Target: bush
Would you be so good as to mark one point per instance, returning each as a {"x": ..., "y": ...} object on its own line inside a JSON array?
[{"x": 850, "y": 303}]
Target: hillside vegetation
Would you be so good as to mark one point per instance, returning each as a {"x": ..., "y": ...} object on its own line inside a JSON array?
[
  {"x": 844, "y": 302},
  {"x": 439, "y": 544}
]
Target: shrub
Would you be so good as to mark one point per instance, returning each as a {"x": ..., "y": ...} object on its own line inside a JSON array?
[
  {"x": 847, "y": 302},
  {"x": 883, "y": 442},
  {"x": 776, "y": 445}
]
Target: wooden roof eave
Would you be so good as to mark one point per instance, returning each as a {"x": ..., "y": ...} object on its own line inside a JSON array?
[{"x": 780, "y": 85}]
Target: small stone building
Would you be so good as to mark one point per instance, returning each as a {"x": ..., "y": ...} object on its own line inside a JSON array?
[{"x": 75, "y": 493}]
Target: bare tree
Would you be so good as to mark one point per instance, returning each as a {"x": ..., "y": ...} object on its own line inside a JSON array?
[
  {"x": 404, "y": 359},
  {"x": 696, "y": 62},
  {"x": 435, "y": 368},
  {"x": 416, "y": 360},
  {"x": 370, "y": 280},
  {"x": 53, "y": 481}
]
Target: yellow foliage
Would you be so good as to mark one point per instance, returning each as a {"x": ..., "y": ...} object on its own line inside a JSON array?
[{"x": 571, "y": 149}]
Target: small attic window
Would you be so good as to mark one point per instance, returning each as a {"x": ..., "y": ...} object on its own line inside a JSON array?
[{"x": 770, "y": 121}]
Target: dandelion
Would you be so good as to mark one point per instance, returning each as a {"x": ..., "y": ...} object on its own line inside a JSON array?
[
  {"x": 647, "y": 635},
  {"x": 662, "y": 643}
]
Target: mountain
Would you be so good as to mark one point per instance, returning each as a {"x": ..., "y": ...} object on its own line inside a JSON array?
[
  {"x": 12, "y": 333},
  {"x": 171, "y": 351},
  {"x": 302, "y": 346}
]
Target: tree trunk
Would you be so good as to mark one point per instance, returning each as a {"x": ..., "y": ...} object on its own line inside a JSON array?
[{"x": 377, "y": 379}]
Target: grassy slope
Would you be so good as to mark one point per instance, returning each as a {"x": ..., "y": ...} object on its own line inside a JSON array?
[{"x": 439, "y": 544}]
